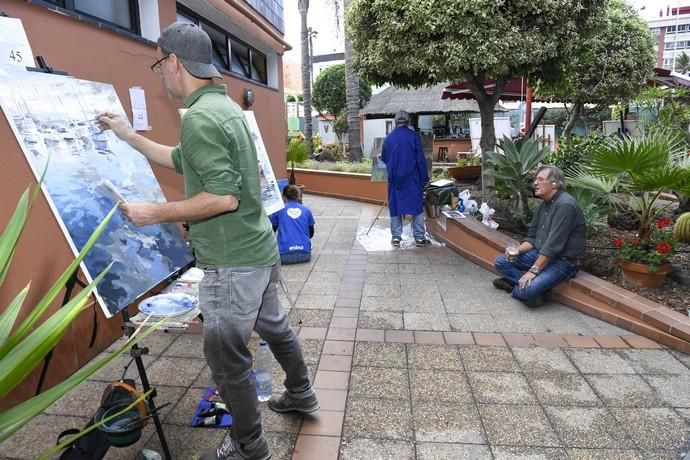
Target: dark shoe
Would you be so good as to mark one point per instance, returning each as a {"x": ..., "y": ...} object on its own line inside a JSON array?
[
  {"x": 395, "y": 242},
  {"x": 535, "y": 302},
  {"x": 422, "y": 243},
  {"x": 230, "y": 450},
  {"x": 504, "y": 284},
  {"x": 289, "y": 402}
]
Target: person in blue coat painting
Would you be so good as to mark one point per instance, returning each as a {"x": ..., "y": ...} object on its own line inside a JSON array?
[
  {"x": 407, "y": 175},
  {"x": 295, "y": 226}
]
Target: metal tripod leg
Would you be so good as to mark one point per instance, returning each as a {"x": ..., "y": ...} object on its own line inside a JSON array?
[{"x": 281, "y": 281}]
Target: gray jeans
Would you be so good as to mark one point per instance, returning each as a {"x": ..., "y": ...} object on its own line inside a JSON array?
[{"x": 235, "y": 301}]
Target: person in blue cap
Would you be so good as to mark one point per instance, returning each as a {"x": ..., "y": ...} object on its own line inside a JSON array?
[
  {"x": 407, "y": 175},
  {"x": 295, "y": 226}
]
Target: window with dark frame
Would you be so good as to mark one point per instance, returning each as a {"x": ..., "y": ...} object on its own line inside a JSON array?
[
  {"x": 119, "y": 13},
  {"x": 229, "y": 53}
]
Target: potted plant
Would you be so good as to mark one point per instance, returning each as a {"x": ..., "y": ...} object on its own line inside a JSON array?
[
  {"x": 647, "y": 265},
  {"x": 297, "y": 152},
  {"x": 466, "y": 168},
  {"x": 641, "y": 169}
]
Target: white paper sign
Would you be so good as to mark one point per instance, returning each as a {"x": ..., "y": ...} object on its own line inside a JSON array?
[
  {"x": 140, "y": 120},
  {"x": 270, "y": 192},
  {"x": 14, "y": 45}
]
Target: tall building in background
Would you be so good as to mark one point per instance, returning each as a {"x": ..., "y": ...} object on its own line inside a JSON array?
[{"x": 671, "y": 29}]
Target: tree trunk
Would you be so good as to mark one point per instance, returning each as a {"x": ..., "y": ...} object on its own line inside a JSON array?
[
  {"x": 574, "y": 117},
  {"x": 303, "y": 6},
  {"x": 487, "y": 143},
  {"x": 352, "y": 100}
]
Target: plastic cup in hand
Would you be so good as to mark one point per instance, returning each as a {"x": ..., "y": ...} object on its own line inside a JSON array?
[{"x": 512, "y": 252}]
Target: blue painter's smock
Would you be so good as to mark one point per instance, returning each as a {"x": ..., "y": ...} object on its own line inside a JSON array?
[{"x": 407, "y": 174}]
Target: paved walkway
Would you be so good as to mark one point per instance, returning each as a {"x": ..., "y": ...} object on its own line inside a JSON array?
[{"x": 416, "y": 356}]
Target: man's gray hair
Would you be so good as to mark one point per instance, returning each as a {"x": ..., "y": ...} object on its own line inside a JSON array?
[
  {"x": 555, "y": 175},
  {"x": 402, "y": 118}
]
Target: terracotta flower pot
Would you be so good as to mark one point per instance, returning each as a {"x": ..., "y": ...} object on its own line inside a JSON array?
[
  {"x": 639, "y": 274},
  {"x": 460, "y": 173}
]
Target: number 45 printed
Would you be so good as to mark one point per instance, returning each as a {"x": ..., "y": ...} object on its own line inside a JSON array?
[
  {"x": 14, "y": 45},
  {"x": 16, "y": 56}
]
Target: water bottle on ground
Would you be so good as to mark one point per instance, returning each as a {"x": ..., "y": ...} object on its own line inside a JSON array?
[{"x": 262, "y": 372}]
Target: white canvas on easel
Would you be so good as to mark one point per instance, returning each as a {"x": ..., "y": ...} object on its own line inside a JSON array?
[
  {"x": 270, "y": 192},
  {"x": 52, "y": 117},
  {"x": 14, "y": 44}
]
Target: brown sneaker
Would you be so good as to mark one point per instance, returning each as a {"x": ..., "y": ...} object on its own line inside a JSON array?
[{"x": 504, "y": 284}]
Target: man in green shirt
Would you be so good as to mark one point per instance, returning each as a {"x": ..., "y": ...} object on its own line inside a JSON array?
[{"x": 231, "y": 236}]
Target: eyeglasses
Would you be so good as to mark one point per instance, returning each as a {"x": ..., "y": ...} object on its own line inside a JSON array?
[
  {"x": 541, "y": 179},
  {"x": 156, "y": 66}
]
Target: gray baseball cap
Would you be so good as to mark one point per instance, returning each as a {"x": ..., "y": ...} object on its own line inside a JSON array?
[
  {"x": 192, "y": 46},
  {"x": 402, "y": 118}
]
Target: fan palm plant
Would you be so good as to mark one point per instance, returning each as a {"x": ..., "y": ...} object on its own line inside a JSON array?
[
  {"x": 642, "y": 169},
  {"x": 514, "y": 171},
  {"x": 297, "y": 152},
  {"x": 23, "y": 346}
]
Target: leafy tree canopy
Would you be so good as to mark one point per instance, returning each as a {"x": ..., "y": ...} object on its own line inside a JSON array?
[
  {"x": 329, "y": 91},
  {"x": 431, "y": 41},
  {"x": 609, "y": 62}
]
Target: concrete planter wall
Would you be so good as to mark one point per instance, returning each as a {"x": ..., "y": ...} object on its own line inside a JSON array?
[{"x": 351, "y": 186}]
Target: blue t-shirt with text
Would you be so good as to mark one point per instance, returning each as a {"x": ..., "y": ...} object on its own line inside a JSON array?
[{"x": 293, "y": 223}]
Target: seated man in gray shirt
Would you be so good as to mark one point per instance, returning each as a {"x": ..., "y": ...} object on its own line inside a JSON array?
[{"x": 554, "y": 245}]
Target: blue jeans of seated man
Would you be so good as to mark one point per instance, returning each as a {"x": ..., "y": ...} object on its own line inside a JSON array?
[
  {"x": 557, "y": 271},
  {"x": 235, "y": 301},
  {"x": 295, "y": 258},
  {"x": 418, "y": 228}
]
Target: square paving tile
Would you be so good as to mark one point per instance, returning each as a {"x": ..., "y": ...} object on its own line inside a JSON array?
[
  {"x": 654, "y": 428},
  {"x": 379, "y": 382},
  {"x": 310, "y": 447},
  {"x": 682, "y": 357},
  {"x": 436, "y": 421},
  {"x": 599, "y": 361},
  {"x": 378, "y": 418},
  {"x": 674, "y": 390},
  {"x": 83, "y": 401},
  {"x": 315, "y": 318},
  {"x": 186, "y": 345},
  {"x": 380, "y": 320},
  {"x": 426, "y": 322},
  {"x": 498, "y": 359},
  {"x": 543, "y": 361},
  {"x": 434, "y": 357},
  {"x": 588, "y": 428},
  {"x": 605, "y": 454},
  {"x": 311, "y": 349},
  {"x": 39, "y": 435},
  {"x": 315, "y": 302},
  {"x": 438, "y": 450},
  {"x": 619, "y": 390},
  {"x": 517, "y": 426},
  {"x": 380, "y": 354},
  {"x": 528, "y": 453},
  {"x": 500, "y": 388},
  {"x": 563, "y": 390},
  {"x": 472, "y": 322},
  {"x": 654, "y": 362},
  {"x": 434, "y": 385},
  {"x": 380, "y": 449}
]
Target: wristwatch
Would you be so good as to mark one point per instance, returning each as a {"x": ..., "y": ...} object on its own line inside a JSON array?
[{"x": 534, "y": 269}]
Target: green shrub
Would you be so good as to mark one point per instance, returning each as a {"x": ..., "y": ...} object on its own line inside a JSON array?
[{"x": 572, "y": 151}]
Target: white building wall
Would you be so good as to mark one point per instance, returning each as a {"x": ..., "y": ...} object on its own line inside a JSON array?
[{"x": 373, "y": 129}]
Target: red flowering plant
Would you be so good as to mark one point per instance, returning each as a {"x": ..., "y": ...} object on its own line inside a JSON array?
[{"x": 660, "y": 245}]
